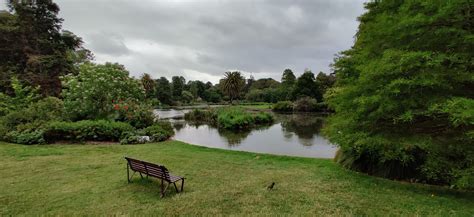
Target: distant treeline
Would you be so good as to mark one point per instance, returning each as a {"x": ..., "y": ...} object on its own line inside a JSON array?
[{"x": 235, "y": 87}]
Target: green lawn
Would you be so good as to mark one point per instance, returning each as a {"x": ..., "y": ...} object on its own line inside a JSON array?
[{"x": 91, "y": 180}]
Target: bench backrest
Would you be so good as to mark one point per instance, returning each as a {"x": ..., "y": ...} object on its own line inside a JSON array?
[{"x": 151, "y": 169}]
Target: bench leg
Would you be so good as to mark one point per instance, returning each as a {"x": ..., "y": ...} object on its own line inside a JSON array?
[
  {"x": 141, "y": 175},
  {"x": 176, "y": 188},
  {"x": 128, "y": 173},
  {"x": 163, "y": 189},
  {"x": 182, "y": 185}
]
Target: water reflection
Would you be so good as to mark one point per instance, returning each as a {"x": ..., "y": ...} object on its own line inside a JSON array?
[{"x": 291, "y": 134}]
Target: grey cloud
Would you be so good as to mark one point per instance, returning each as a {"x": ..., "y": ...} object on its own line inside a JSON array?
[
  {"x": 104, "y": 43},
  {"x": 167, "y": 37}
]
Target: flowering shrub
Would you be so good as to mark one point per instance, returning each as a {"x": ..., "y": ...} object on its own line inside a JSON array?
[
  {"x": 139, "y": 115},
  {"x": 92, "y": 93}
]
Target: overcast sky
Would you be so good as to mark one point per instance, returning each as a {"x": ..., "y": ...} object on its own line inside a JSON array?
[{"x": 203, "y": 39}]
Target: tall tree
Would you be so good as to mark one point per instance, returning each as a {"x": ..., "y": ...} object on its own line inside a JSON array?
[
  {"x": 404, "y": 93},
  {"x": 324, "y": 82},
  {"x": 288, "y": 78},
  {"x": 148, "y": 84},
  {"x": 305, "y": 86},
  {"x": 33, "y": 47},
  {"x": 177, "y": 84},
  {"x": 232, "y": 84},
  {"x": 163, "y": 91}
]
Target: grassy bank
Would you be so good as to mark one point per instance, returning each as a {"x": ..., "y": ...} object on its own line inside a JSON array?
[{"x": 91, "y": 179}]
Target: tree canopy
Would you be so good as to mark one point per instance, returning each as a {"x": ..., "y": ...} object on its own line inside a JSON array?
[
  {"x": 34, "y": 48},
  {"x": 404, "y": 93}
]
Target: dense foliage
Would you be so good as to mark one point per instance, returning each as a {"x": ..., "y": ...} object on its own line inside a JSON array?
[
  {"x": 34, "y": 48},
  {"x": 229, "y": 117},
  {"x": 160, "y": 131},
  {"x": 100, "y": 130},
  {"x": 283, "y": 106},
  {"x": 404, "y": 94},
  {"x": 27, "y": 125},
  {"x": 93, "y": 93}
]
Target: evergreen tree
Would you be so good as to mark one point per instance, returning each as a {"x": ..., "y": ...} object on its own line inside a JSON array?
[
  {"x": 404, "y": 93},
  {"x": 305, "y": 86},
  {"x": 33, "y": 47},
  {"x": 177, "y": 86},
  {"x": 163, "y": 91}
]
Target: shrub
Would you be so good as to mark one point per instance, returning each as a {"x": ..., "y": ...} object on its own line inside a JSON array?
[
  {"x": 26, "y": 137},
  {"x": 27, "y": 125},
  {"x": 160, "y": 131},
  {"x": 139, "y": 115},
  {"x": 131, "y": 137},
  {"x": 229, "y": 117},
  {"x": 100, "y": 130},
  {"x": 92, "y": 93},
  {"x": 238, "y": 118},
  {"x": 234, "y": 118},
  {"x": 306, "y": 104},
  {"x": 283, "y": 106},
  {"x": 23, "y": 96}
]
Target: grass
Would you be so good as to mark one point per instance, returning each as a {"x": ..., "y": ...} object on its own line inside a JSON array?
[{"x": 91, "y": 180}]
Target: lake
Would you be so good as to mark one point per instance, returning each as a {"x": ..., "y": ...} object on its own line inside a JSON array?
[{"x": 290, "y": 134}]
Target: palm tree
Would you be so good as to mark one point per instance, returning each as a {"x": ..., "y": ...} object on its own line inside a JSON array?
[{"x": 232, "y": 84}]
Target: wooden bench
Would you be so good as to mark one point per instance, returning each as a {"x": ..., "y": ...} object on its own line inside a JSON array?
[{"x": 153, "y": 170}]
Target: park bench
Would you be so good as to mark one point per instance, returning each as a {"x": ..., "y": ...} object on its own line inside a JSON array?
[{"x": 153, "y": 170}]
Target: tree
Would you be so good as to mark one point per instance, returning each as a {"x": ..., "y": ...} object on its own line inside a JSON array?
[
  {"x": 197, "y": 88},
  {"x": 305, "y": 86},
  {"x": 324, "y": 82},
  {"x": 163, "y": 91},
  {"x": 232, "y": 84},
  {"x": 148, "y": 84},
  {"x": 288, "y": 79},
  {"x": 187, "y": 96},
  {"x": 404, "y": 93},
  {"x": 177, "y": 86},
  {"x": 212, "y": 94},
  {"x": 33, "y": 47},
  {"x": 94, "y": 92},
  {"x": 264, "y": 83}
]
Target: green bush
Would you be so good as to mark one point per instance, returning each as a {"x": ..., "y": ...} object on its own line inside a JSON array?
[
  {"x": 229, "y": 117},
  {"x": 94, "y": 92},
  {"x": 131, "y": 137},
  {"x": 139, "y": 115},
  {"x": 100, "y": 130},
  {"x": 306, "y": 104},
  {"x": 283, "y": 106},
  {"x": 238, "y": 118},
  {"x": 26, "y": 137},
  {"x": 26, "y": 125},
  {"x": 159, "y": 131},
  {"x": 234, "y": 118}
]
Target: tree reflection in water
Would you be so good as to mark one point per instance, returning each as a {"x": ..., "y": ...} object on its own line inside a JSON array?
[{"x": 305, "y": 126}]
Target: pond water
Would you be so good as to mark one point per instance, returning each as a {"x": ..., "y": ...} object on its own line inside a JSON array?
[{"x": 290, "y": 134}]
